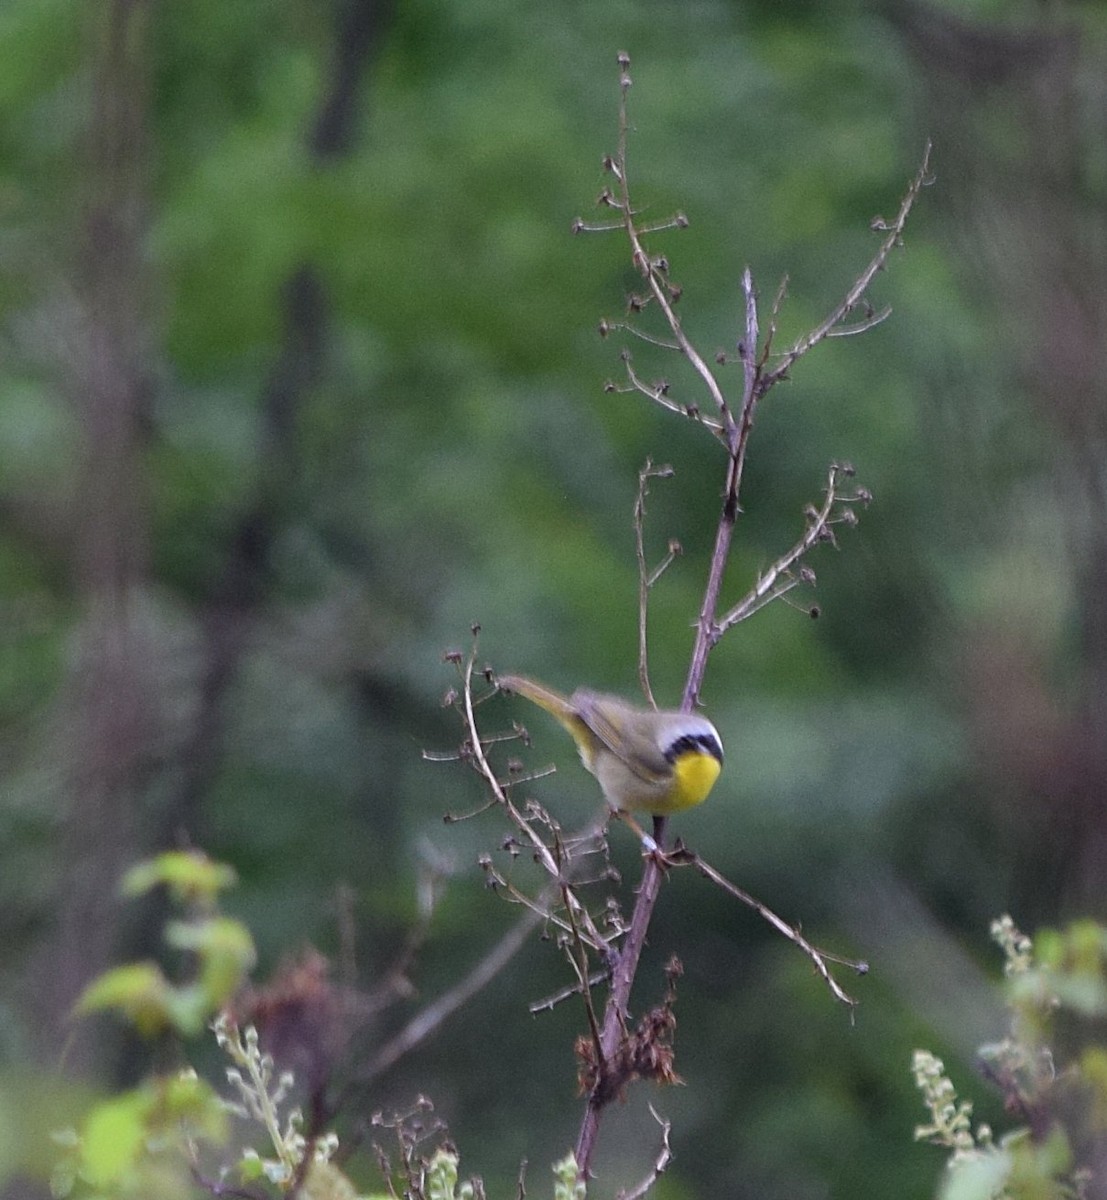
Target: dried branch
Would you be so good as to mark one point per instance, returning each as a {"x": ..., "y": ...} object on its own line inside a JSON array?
[
  {"x": 430, "y": 1019},
  {"x": 549, "y": 1003},
  {"x": 540, "y": 906},
  {"x": 474, "y": 750},
  {"x": 607, "y": 327},
  {"x": 647, "y": 578},
  {"x": 871, "y": 321},
  {"x": 661, "y": 1163},
  {"x": 860, "y": 285},
  {"x": 779, "y": 579},
  {"x": 653, "y": 269},
  {"x": 579, "y": 963},
  {"x": 659, "y": 394},
  {"x": 682, "y": 856},
  {"x": 578, "y": 924}
]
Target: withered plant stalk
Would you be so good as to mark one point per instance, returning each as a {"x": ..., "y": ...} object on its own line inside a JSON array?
[
  {"x": 615, "y": 1053},
  {"x": 760, "y": 372}
]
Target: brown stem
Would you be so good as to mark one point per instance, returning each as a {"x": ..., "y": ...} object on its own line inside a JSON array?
[
  {"x": 735, "y": 435},
  {"x": 625, "y": 968},
  {"x": 819, "y": 958},
  {"x": 622, "y": 978}
]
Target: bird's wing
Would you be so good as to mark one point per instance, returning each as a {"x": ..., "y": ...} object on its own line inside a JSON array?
[{"x": 648, "y": 764}]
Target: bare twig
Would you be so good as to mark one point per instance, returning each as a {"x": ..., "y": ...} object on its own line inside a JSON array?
[
  {"x": 660, "y": 1165},
  {"x": 541, "y": 906},
  {"x": 580, "y": 966},
  {"x": 659, "y": 394},
  {"x": 647, "y": 578},
  {"x": 870, "y": 322},
  {"x": 654, "y": 270},
  {"x": 640, "y": 334},
  {"x": 542, "y": 853},
  {"x": 819, "y": 958},
  {"x": 779, "y": 579},
  {"x": 751, "y": 364},
  {"x": 431, "y": 1018},
  {"x": 549, "y": 1003},
  {"x": 770, "y": 337},
  {"x": 860, "y": 285}
]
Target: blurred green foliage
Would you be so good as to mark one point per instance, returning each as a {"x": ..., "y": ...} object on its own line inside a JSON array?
[
  {"x": 1049, "y": 1069},
  {"x": 368, "y": 410}
]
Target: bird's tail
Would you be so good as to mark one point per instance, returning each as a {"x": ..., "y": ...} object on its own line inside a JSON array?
[
  {"x": 561, "y": 708},
  {"x": 537, "y": 693}
]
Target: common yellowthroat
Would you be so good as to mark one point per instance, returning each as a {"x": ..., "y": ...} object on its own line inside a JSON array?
[{"x": 646, "y": 760}]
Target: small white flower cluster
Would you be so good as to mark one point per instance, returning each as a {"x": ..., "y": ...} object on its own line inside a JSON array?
[
  {"x": 260, "y": 1099},
  {"x": 950, "y": 1119},
  {"x": 1018, "y": 949}
]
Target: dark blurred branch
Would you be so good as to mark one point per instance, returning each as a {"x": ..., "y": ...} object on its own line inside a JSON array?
[
  {"x": 1016, "y": 105},
  {"x": 361, "y": 25},
  {"x": 426, "y": 1023},
  {"x": 231, "y": 608},
  {"x": 229, "y": 612},
  {"x": 981, "y": 56},
  {"x": 110, "y": 384}
]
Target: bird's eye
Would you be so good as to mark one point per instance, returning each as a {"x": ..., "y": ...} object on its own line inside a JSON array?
[
  {"x": 702, "y": 742},
  {"x": 711, "y": 744}
]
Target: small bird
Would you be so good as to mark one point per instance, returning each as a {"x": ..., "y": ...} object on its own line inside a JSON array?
[{"x": 646, "y": 760}]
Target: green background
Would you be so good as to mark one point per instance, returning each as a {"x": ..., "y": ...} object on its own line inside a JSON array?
[{"x": 300, "y": 376}]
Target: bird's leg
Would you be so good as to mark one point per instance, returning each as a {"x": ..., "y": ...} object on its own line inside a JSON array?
[{"x": 649, "y": 844}]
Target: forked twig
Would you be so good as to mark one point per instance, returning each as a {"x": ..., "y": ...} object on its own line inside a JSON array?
[
  {"x": 779, "y": 579},
  {"x": 856, "y": 293},
  {"x": 659, "y": 394},
  {"x": 683, "y": 857},
  {"x": 542, "y": 852},
  {"x": 660, "y": 1163},
  {"x": 774, "y": 583}
]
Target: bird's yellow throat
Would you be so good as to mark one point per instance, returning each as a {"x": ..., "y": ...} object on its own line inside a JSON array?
[{"x": 695, "y": 773}]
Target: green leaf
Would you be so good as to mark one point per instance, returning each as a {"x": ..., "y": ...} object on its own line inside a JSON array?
[
  {"x": 250, "y": 1167},
  {"x": 185, "y": 1099},
  {"x": 114, "y": 1136},
  {"x": 226, "y": 952},
  {"x": 189, "y": 1009},
  {"x": 139, "y": 991},
  {"x": 442, "y": 1176},
  {"x": 189, "y": 876}
]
